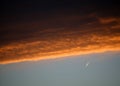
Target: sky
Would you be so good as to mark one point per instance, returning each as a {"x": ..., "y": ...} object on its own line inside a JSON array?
[
  {"x": 102, "y": 70},
  {"x": 55, "y": 38}
]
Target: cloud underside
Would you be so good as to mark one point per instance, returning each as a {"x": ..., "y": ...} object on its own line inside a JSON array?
[{"x": 71, "y": 36}]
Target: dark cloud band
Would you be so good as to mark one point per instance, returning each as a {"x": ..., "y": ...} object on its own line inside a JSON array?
[{"x": 59, "y": 36}]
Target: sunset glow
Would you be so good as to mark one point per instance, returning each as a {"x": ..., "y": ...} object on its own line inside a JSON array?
[{"x": 96, "y": 37}]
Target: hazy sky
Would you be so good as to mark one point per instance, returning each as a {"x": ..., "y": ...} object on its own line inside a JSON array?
[
  {"x": 60, "y": 43},
  {"x": 103, "y": 70}
]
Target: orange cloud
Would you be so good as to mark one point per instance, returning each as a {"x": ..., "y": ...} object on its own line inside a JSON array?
[
  {"x": 76, "y": 37},
  {"x": 108, "y": 20}
]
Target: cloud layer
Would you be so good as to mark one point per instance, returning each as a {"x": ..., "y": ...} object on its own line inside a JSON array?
[{"x": 59, "y": 36}]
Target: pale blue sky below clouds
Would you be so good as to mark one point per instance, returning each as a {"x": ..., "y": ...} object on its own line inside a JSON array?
[{"x": 103, "y": 70}]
